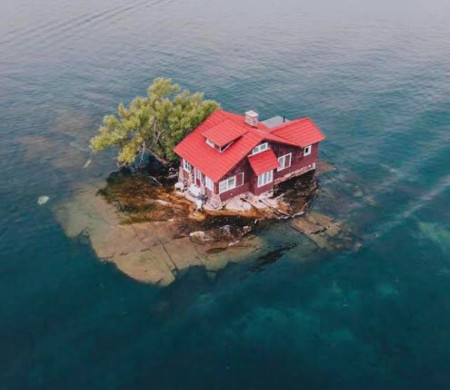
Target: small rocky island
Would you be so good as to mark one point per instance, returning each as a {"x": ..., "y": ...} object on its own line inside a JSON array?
[
  {"x": 196, "y": 184},
  {"x": 152, "y": 233}
]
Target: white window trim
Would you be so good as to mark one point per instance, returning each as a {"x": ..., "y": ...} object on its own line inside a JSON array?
[
  {"x": 262, "y": 178},
  {"x": 210, "y": 143},
  {"x": 284, "y": 166},
  {"x": 186, "y": 166},
  {"x": 223, "y": 148},
  {"x": 209, "y": 183},
  {"x": 215, "y": 147},
  {"x": 198, "y": 175},
  {"x": 260, "y": 148},
  {"x": 307, "y": 150},
  {"x": 243, "y": 178},
  {"x": 225, "y": 184},
  {"x": 227, "y": 188}
]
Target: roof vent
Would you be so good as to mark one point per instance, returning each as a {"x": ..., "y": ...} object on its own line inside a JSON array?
[{"x": 251, "y": 118}]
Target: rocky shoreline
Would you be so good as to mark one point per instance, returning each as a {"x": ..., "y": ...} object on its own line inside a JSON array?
[
  {"x": 144, "y": 198},
  {"x": 152, "y": 252},
  {"x": 151, "y": 233}
]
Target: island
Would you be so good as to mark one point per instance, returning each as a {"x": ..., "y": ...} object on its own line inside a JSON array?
[{"x": 196, "y": 184}]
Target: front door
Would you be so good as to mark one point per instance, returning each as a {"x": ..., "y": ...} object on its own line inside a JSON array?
[{"x": 198, "y": 178}]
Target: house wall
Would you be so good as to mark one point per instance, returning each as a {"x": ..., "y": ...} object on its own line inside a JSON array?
[
  {"x": 259, "y": 190},
  {"x": 188, "y": 178},
  {"x": 298, "y": 160},
  {"x": 242, "y": 167},
  {"x": 208, "y": 192},
  {"x": 186, "y": 175}
]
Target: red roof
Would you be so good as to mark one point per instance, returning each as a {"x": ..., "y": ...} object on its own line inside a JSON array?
[
  {"x": 302, "y": 132},
  {"x": 263, "y": 162},
  {"x": 225, "y": 132},
  {"x": 224, "y": 126}
]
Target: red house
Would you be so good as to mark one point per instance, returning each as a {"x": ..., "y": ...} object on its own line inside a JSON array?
[{"x": 231, "y": 154}]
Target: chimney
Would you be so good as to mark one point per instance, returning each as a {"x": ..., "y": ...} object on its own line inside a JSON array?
[{"x": 251, "y": 118}]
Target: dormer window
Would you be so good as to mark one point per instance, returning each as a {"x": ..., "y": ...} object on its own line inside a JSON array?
[
  {"x": 224, "y": 134},
  {"x": 210, "y": 143},
  {"x": 223, "y": 148},
  {"x": 219, "y": 149},
  {"x": 260, "y": 148}
]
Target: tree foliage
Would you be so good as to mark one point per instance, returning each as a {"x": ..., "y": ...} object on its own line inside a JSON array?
[{"x": 154, "y": 124}]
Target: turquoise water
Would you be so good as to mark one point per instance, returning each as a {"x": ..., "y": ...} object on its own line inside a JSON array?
[{"x": 373, "y": 75}]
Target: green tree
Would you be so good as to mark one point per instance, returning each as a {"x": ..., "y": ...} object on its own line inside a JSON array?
[{"x": 154, "y": 124}]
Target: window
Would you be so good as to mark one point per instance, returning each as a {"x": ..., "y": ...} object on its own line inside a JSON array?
[
  {"x": 198, "y": 177},
  {"x": 210, "y": 143},
  {"x": 223, "y": 148},
  {"x": 265, "y": 178},
  {"x": 227, "y": 184},
  {"x": 307, "y": 151},
  {"x": 260, "y": 148},
  {"x": 240, "y": 179},
  {"x": 187, "y": 167},
  {"x": 209, "y": 183},
  {"x": 285, "y": 162},
  {"x": 219, "y": 149}
]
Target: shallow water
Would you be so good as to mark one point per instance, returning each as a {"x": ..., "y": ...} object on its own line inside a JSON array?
[{"x": 373, "y": 75}]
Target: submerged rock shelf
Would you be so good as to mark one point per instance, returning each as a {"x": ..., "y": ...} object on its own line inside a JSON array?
[
  {"x": 323, "y": 231},
  {"x": 153, "y": 252},
  {"x": 151, "y": 233}
]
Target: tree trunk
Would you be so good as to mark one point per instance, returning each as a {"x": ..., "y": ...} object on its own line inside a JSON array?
[{"x": 162, "y": 160}]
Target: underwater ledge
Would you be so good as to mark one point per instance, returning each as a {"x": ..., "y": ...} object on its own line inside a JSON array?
[{"x": 152, "y": 234}]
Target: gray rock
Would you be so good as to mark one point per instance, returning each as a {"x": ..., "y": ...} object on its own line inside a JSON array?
[
  {"x": 43, "y": 200},
  {"x": 226, "y": 230},
  {"x": 246, "y": 229},
  {"x": 200, "y": 236},
  {"x": 358, "y": 193}
]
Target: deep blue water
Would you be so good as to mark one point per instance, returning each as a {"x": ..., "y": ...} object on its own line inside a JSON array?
[{"x": 375, "y": 76}]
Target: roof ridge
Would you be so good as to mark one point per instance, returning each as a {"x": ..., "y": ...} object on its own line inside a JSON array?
[
  {"x": 232, "y": 116},
  {"x": 194, "y": 149},
  {"x": 238, "y": 118},
  {"x": 289, "y": 123}
]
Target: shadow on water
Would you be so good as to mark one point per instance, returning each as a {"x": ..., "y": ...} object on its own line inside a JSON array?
[
  {"x": 299, "y": 192},
  {"x": 271, "y": 257}
]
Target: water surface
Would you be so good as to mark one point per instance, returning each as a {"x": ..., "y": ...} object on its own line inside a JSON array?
[{"x": 375, "y": 78}]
